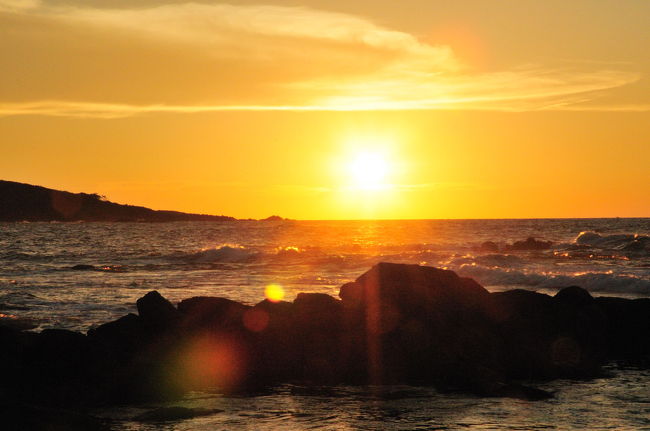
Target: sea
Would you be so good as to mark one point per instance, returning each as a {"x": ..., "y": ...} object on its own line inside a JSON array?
[{"x": 79, "y": 275}]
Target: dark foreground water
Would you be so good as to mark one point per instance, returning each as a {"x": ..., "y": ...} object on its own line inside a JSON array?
[
  {"x": 617, "y": 403},
  {"x": 40, "y": 280}
]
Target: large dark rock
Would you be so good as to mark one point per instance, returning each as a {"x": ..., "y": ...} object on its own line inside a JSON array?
[
  {"x": 26, "y": 417},
  {"x": 212, "y": 313},
  {"x": 410, "y": 323},
  {"x": 529, "y": 244},
  {"x": 157, "y": 311},
  {"x": 627, "y": 328},
  {"x": 489, "y": 246},
  {"x": 574, "y": 296},
  {"x": 175, "y": 413},
  {"x": 412, "y": 289}
]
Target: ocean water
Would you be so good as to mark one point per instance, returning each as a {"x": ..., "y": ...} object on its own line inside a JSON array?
[{"x": 41, "y": 280}]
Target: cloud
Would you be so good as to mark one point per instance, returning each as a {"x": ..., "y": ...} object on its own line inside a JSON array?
[
  {"x": 18, "y": 5},
  {"x": 192, "y": 58}
]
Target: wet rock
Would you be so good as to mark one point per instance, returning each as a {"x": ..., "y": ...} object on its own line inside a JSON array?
[
  {"x": 318, "y": 323},
  {"x": 157, "y": 311},
  {"x": 548, "y": 337},
  {"x": 125, "y": 334},
  {"x": 83, "y": 267},
  {"x": 15, "y": 322},
  {"x": 212, "y": 313},
  {"x": 489, "y": 246},
  {"x": 165, "y": 414},
  {"x": 574, "y": 296},
  {"x": 413, "y": 289},
  {"x": 409, "y": 323},
  {"x": 627, "y": 327},
  {"x": 529, "y": 244},
  {"x": 25, "y": 417}
]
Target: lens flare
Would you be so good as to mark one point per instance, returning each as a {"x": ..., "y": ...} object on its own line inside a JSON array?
[
  {"x": 211, "y": 361},
  {"x": 256, "y": 320}
]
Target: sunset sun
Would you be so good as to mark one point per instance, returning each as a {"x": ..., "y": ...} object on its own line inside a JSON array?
[{"x": 368, "y": 170}]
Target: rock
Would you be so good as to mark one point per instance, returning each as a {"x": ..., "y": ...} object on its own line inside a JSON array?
[
  {"x": 548, "y": 337},
  {"x": 15, "y": 322},
  {"x": 489, "y": 246},
  {"x": 574, "y": 296},
  {"x": 165, "y": 414},
  {"x": 83, "y": 267},
  {"x": 25, "y": 417},
  {"x": 396, "y": 324},
  {"x": 530, "y": 244},
  {"x": 627, "y": 327},
  {"x": 317, "y": 311},
  {"x": 521, "y": 392},
  {"x": 415, "y": 324},
  {"x": 157, "y": 311},
  {"x": 124, "y": 334},
  {"x": 212, "y": 313},
  {"x": 412, "y": 289}
]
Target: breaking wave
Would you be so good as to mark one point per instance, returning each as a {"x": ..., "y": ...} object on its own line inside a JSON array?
[
  {"x": 624, "y": 241},
  {"x": 224, "y": 254},
  {"x": 592, "y": 281}
]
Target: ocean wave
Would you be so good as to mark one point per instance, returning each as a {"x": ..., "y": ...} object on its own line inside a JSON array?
[
  {"x": 591, "y": 281},
  {"x": 225, "y": 254},
  {"x": 489, "y": 260},
  {"x": 624, "y": 241}
]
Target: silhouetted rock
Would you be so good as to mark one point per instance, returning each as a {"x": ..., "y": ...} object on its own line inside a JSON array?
[
  {"x": 154, "y": 310},
  {"x": 15, "y": 322},
  {"x": 83, "y": 267},
  {"x": 490, "y": 247},
  {"x": 273, "y": 218},
  {"x": 164, "y": 414},
  {"x": 24, "y": 417},
  {"x": 627, "y": 327},
  {"x": 530, "y": 244},
  {"x": 575, "y": 296},
  {"x": 216, "y": 314},
  {"x": 395, "y": 324}
]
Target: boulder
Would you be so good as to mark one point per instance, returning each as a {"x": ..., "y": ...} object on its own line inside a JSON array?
[
  {"x": 156, "y": 311},
  {"x": 212, "y": 313},
  {"x": 175, "y": 413},
  {"x": 529, "y": 244},
  {"x": 83, "y": 267},
  {"x": 489, "y": 246},
  {"x": 416, "y": 324},
  {"x": 627, "y": 325},
  {"x": 574, "y": 296},
  {"x": 412, "y": 289}
]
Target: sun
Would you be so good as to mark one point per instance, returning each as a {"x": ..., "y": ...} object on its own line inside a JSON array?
[{"x": 369, "y": 170}]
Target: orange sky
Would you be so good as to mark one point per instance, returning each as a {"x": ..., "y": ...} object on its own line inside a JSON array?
[{"x": 473, "y": 108}]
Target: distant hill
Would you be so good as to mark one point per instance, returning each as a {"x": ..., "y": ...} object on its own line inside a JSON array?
[{"x": 20, "y": 202}]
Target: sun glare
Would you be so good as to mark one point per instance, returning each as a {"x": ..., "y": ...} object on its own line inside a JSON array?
[{"x": 368, "y": 170}]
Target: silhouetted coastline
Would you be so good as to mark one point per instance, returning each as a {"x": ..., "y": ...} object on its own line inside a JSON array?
[{"x": 26, "y": 202}]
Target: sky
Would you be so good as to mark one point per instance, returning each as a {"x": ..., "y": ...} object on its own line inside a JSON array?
[{"x": 329, "y": 109}]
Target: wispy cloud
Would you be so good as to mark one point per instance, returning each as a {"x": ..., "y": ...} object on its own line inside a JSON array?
[{"x": 326, "y": 61}]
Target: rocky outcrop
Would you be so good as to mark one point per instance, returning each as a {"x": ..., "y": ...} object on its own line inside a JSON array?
[
  {"x": 26, "y": 202},
  {"x": 530, "y": 244},
  {"x": 394, "y": 324}
]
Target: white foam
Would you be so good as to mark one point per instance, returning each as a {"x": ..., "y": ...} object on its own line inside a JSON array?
[
  {"x": 593, "y": 281},
  {"x": 226, "y": 254}
]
